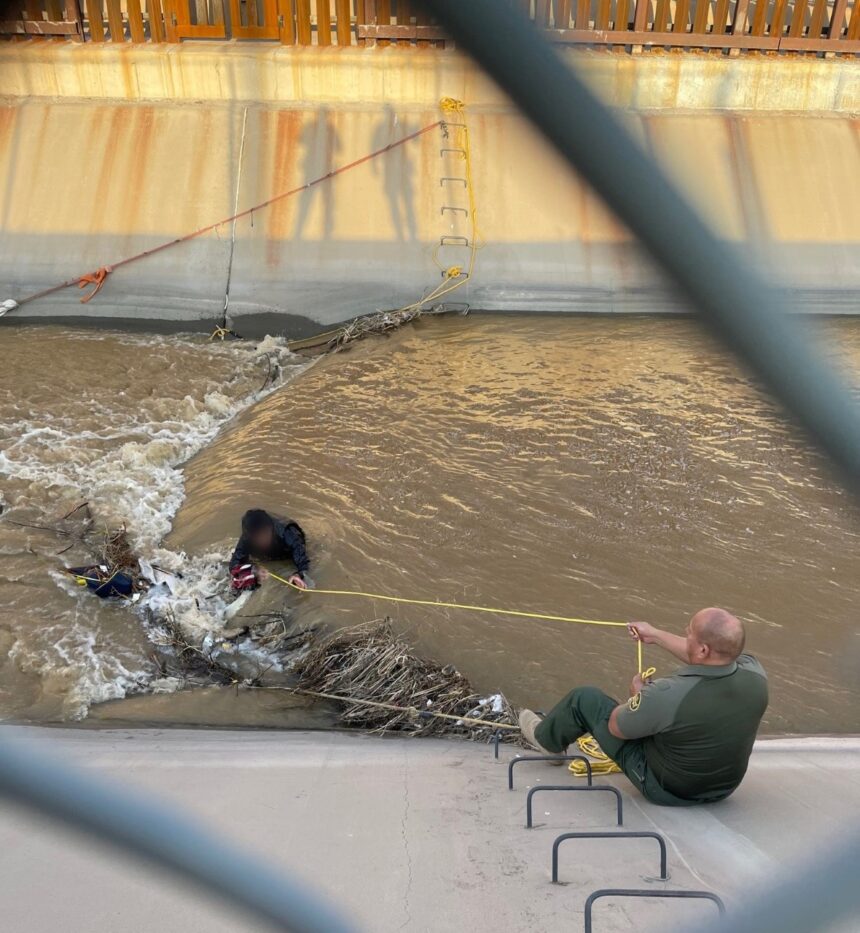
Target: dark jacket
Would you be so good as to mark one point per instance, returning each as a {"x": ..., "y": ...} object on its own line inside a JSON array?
[{"x": 288, "y": 544}]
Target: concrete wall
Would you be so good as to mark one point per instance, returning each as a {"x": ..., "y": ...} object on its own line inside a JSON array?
[{"x": 108, "y": 151}]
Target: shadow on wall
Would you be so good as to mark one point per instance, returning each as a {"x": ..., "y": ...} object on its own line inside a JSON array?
[
  {"x": 320, "y": 145},
  {"x": 321, "y": 148},
  {"x": 398, "y": 173}
]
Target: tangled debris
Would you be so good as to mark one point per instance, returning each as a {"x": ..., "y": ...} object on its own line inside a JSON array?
[
  {"x": 370, "y": 663},
  {"x": 380, "y": 683},
  {"x": 382, "y": 322}
]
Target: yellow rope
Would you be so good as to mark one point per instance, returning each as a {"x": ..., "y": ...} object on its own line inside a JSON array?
[{"x": 443, "y": 605}]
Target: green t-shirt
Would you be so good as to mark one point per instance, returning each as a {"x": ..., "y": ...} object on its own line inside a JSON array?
[{"x": 698, "y": 726}]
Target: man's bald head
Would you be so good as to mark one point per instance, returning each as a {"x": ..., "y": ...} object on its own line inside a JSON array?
[{"x": 715, "y": 637}]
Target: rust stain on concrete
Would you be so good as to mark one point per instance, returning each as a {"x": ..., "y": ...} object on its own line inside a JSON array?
[
  {"x": 106, "y": 131},
  {"x": 141, "y": 141},
  {"x": 288, "y": 128}
]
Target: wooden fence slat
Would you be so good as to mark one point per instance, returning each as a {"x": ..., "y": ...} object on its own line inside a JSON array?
[
  {"x": 117, "y": 32},
  {"x": 54, "y": 9},
  {"x": 135, "y": 21},
  {"x": 837, "y": 18},
  {"x": 622, "y": 14},
  {"x": 601, "y": 17},
  {"x": 303, "y": 22},
  {"x": 170, "y": 21},
  {"x": 344, "y": 22},
  {"x": 640, "y": 17},
  {"x": 798, "y": 18},
  {"x": 96, "y": 20},
  {"x": 661, "y": 16},
  {"x": 323, "y": 22},
  {"x": 682, "y": 15},
  {"x": 700, "y": 20},
  {"x": 816, "y": 21},
  {"x": 583, "y": 14},
  {"x": 156, "y": 21},
  {"x": 777, "y": 18},
  {"x": 721, "y": 15},
  {"x": 759, "y": 23},
  {"x": 739, "y": 21},
  {"x": 286, "y": 22},
  {"x": 854, "y": 26}
]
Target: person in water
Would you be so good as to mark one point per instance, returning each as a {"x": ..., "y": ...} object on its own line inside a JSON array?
[
  {"x": 683, "y": 739},
  {"x": 267, "y": 537}
]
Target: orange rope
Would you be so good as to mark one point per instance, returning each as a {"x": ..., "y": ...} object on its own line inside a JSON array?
[{"x": 98, "y": 277}]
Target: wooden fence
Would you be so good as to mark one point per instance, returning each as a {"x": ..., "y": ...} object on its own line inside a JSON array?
[{"x": 814, "y": 26}]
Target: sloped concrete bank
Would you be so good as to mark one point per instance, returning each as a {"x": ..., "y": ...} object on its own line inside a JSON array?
[
  {"x": 107, "y": 152},
  {"x": 416, "y": 835}
]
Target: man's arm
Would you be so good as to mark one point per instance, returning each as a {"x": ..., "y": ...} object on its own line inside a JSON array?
[
  {"x": 241, "y": 554},
  {"x": 651, "y": 635},
  {"x": 294, "y": 539}
]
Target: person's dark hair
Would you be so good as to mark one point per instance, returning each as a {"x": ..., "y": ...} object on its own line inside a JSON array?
[{"x": 255, "y": 520}]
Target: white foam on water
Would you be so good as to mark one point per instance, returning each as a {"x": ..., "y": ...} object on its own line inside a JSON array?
[{"x": 123, "y": 452}]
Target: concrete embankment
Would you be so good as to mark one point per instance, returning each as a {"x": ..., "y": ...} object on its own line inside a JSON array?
[
  {"x": 416, "y": 834},
  {"x": 108, "y": 151}
]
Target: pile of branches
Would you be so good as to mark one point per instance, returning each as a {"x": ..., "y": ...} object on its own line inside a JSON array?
[
  {"x": 177, "y": 656},
  {"x": 368, "y": 664}
]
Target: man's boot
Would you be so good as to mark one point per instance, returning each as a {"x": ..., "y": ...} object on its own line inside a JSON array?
[{"x": 529, "y": 721}]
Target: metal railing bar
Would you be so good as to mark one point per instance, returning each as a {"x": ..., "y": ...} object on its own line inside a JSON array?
[{"x": 163, "y": 837}]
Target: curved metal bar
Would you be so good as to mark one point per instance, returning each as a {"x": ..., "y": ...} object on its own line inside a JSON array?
[
  {"x": 588, "y": 775},
  {"x": 603, "y": 787},
  {"x": 164, "y": 837},
  {"x": 644, "y": 834},
  {"x": 636, "y": 892}
]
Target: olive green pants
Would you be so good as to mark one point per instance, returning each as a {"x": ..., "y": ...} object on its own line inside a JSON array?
[{"x": 587, "y": 710}]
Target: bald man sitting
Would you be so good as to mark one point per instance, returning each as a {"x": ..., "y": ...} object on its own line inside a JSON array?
[{"x": 683, "y": 739}]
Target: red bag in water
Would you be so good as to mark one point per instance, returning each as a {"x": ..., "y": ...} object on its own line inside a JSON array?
[{"x": 244, "y": 578}]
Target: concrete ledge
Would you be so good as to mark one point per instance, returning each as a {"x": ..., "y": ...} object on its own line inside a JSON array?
[
  {"x": 414, "y": 834},
  {"x": 263, "y": 72}
]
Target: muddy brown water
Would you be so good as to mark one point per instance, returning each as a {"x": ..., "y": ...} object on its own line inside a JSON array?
[{"x": 598, "y": 467}]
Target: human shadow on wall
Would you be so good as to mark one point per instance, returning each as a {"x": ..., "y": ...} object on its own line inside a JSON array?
[
  {"x": 320, "y": 145},
  {"x": 398, "y": 172}
]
